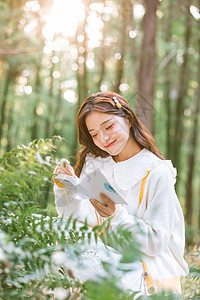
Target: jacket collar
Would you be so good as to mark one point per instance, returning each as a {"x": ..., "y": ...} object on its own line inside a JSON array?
[{"x": 127, "y": 173}]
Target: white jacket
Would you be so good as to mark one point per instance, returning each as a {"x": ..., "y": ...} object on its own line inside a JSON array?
[{"x": 152, "y": 204}]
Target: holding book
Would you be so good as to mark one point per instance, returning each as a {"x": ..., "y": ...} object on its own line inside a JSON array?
[{"x": 91, "y": 186}]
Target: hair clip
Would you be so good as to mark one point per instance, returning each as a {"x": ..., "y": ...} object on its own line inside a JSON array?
[{"x": 117, "y": 103}]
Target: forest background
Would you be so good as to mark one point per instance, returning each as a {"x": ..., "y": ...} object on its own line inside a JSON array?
[{"x": 53, "y": 54}]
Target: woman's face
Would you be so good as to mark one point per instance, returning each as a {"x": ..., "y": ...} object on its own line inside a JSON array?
[{"x": 109, "y": 132}]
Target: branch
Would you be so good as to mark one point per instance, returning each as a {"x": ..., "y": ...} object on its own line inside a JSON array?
[{"x": 18, "y": 51}]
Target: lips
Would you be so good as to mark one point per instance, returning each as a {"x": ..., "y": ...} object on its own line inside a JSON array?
[{"x": 111, "y": 144}]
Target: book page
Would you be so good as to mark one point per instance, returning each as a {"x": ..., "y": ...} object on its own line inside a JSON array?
[
  {"x": 96, "y": 183},
  {"x": 73, "y": 183}
]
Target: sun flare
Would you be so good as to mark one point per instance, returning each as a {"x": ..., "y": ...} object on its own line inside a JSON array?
[{"x": 64, "y": 18}]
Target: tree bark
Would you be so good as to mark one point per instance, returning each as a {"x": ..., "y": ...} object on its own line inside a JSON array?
[
  {"x": 48, "y": 131},
  {"x": 82, "y": 81},
  {"x": 147, "y": 69},
  {"x": 85, "y": 71},
  {"x": 49, "y": 106},
  {"x": 131, "y": 40},
  {"x": 57, "y": 110},
  {"x": 167, "y": 99},
  {"x": 75, "y": 140},
  {"x": 122, "y": 50},
  {"x": 179, "y": 128},
  {"x": 4, "y": 100},
  {"x": 9, "y": 121},
  {"x": 34, "y": 130},
  {"x": 192, "y": 156},
  {"x": 102, "y": 63}
]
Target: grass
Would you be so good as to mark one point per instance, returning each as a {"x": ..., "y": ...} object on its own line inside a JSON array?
[{"x": 191, "y": 286}]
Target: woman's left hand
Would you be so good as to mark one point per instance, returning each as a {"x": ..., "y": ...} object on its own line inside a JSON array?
[{"x": 104, "y": 210}]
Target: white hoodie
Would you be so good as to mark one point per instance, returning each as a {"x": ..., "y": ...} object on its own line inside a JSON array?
[{"x": 152, "y": 204}]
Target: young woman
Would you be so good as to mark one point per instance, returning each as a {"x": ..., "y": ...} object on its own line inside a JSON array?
[{"x": 115, "y": 140}]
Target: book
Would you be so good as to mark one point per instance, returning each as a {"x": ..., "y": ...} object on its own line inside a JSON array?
[{"x": 91, "y": 185}]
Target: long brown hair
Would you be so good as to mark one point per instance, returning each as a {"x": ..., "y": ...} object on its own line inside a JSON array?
[{"x": 104, "y": 102}]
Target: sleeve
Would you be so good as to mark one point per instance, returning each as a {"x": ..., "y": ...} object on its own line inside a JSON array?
[
  {"x": 68, "y": 203},
  {"x": 154, "y": 229}
]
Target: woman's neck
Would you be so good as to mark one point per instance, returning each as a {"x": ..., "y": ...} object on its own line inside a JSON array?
[{"x": 131, "y": 149}]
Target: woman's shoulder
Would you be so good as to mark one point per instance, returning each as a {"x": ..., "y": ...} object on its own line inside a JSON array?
[{"x": 163, "y": 170}]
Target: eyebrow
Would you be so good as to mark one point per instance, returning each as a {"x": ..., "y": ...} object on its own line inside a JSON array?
[{"x": 101, "y": 124}]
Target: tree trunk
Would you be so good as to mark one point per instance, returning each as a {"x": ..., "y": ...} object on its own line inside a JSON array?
[
  {"x": 147, "y": 69},
  {"x": 49, "y": 107},
  {"x": 10, "y": 121},
  {"x": 85, "y": 42},
  {"x": 192, "y": 156},
  {"x": 82, "y": 81},
  {"x": 168, "y": 83},
  {"x": 4, "y": 99},
  {"x": 48, "y": 132},
  {"x": 34, "y": 130},
  {"x": 179, "y": 128},
  {"x": 75, "y": 140},
  {"x": 102, "y": 59},
  {"x": 132, "y": 40},
  {"x": 102, "y": 56},
  {"x": 57, "y": 111},
  {"x": 122, "y": 41}
]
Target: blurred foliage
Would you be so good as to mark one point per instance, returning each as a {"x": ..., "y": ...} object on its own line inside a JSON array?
[{"x": 24, "y": 173}]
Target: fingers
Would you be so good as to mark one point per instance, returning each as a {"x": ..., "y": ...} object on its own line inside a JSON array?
[
  {"x": 107, "y": 200},
  {"x": 59, "y": 170},
  {"x": 104, "y": 211},
  {"x": 64, "y": 168},
  {"x": 66, "y": 165},
  {"x": 97, "y": 204},
  {"x": 64, "y": 162}
]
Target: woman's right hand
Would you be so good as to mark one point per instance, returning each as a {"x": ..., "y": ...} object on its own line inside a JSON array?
[{"x": 64, "y": 168}]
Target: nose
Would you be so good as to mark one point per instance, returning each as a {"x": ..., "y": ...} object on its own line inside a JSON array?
[{"x": 104, "y": 136}]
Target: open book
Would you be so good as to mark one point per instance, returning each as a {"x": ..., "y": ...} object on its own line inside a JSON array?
[{"x": 91, "y": 185}]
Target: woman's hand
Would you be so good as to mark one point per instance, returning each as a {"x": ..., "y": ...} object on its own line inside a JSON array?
[
  {"x": 64, "y": 168},
  {"x": 104, "y": 210}
]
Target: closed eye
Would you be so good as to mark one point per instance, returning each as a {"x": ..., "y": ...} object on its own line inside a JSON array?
[{"x": 109, "y": 127}]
